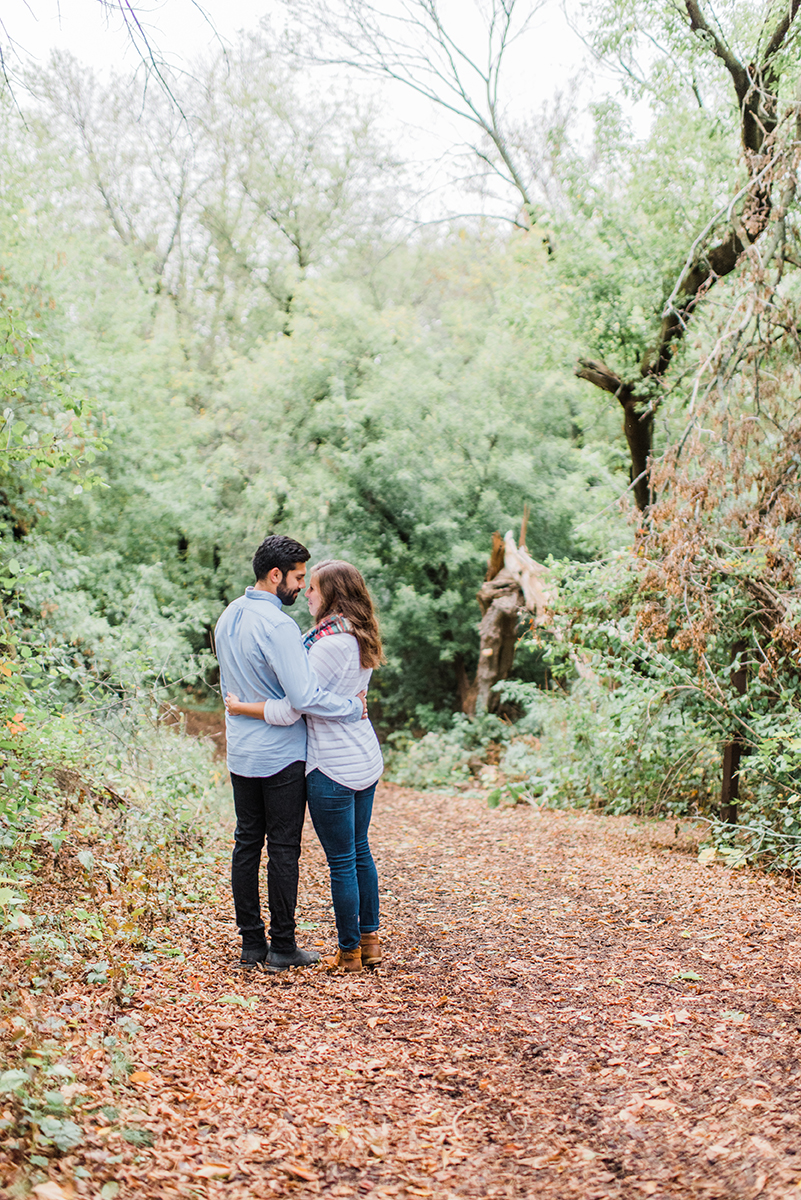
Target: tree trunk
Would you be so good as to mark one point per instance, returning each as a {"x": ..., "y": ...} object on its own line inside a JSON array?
[
  {"x": 501, "y": 600},
  {"x": 732, "y": 751}
]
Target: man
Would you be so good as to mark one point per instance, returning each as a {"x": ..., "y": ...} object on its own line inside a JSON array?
[{"x": 261, "y": 656}]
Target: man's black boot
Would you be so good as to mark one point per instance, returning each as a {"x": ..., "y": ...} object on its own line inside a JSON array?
[
  {"x": 254, "y": 958},
  {"x": 278, "y": 960}
]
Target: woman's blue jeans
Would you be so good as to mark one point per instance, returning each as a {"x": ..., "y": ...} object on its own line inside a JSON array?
[{"x": 341, "y": 819}]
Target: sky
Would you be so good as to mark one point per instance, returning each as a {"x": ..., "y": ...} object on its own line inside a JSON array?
[
  {"x": 543, "y": 61},
  {"x": 180, "y": 30}
]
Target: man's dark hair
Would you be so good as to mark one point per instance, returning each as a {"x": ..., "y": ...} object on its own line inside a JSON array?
[{"x": 278, "y": 551}]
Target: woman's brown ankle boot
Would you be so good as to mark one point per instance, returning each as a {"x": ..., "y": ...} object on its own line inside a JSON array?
[
  {"x": 370, "y": 947},
  {"x": 344, "y": 960}
]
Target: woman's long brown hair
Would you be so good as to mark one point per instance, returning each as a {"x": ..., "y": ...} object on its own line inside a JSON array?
[{"x": 343, "y": 590}]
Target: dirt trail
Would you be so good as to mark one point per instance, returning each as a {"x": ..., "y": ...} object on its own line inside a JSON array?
[{"x": 571, "y": 1007}]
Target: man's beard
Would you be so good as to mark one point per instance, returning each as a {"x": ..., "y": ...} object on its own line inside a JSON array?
[{"x": 285, "y": 595}]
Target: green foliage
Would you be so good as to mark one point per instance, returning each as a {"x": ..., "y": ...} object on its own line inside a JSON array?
[
  {"x": 218, "y": 321},
  {"x": 37, "y": 1113},
  {"x": 442, "y": 757}
]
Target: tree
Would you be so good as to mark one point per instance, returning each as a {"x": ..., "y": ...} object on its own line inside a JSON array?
[
  {"x": 413, "y": 43},
  {"x": 757, "y": 72}
]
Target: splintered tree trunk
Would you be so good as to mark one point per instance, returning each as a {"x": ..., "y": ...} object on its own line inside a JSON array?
[
  {"x": 732, "y": 751},
  {"x": 515, "y": 585},
  {"x": 501, "y": 603}
]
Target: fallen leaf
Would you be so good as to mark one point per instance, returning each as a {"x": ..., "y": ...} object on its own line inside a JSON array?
[
  {"x": 659, "y": 1105},
  {"x": 51, "y": 1191},
  {"x": 300, "y": 1172},
  {"x": 250, "y": 1143},
  {"x": 541, "y": 1160},
  {"x": 649, "y": 1186},
  {"x": 213, "y": 1171},
  {"x": 141, "y": 1077},
  {"x": 713, "y": 1153},
  {"x": 749, "y": 1101}
]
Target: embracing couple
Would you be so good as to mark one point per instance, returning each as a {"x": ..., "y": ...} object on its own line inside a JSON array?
[{"x": 271, "y": 677}]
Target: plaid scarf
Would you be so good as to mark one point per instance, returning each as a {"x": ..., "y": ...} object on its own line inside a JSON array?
[{"x": 334, "y": 624}]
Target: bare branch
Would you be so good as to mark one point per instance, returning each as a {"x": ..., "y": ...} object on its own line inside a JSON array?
[{"x": 414, "y": 46}]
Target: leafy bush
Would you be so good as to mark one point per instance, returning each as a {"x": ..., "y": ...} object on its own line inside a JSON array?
[
  {"x": 625, "y": 750},
  {"x": 442, "y": 757}
]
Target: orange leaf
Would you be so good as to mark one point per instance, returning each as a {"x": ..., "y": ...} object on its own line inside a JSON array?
[
  {"x": 213, "y": 1170},
  {"x": 300, "y": 1172},
  {"x": 141, "y": 1077}
]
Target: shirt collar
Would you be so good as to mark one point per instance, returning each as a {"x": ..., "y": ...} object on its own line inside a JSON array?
[{"x": 257, "y": 594}]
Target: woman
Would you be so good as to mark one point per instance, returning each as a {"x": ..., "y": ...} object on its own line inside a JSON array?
[{"x": 343, "y": 761}]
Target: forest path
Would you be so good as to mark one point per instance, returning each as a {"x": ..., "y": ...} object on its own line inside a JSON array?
[{"x": 571, "y": 1006}]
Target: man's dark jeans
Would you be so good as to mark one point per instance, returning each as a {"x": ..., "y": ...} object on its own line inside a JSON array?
[{"x": 271, "y": 808}]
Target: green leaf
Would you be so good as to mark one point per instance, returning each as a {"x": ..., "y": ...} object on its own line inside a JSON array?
[
  {"x": 12, "y": 1081},
  {"x": 139, "y": 1137},
  {"x": 692, "y": 976},
  {"x": 63, "y": 1134},
  {"x": 240, "y": 1001}
]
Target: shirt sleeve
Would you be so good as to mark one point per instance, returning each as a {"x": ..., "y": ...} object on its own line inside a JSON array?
[
  {"x": 301, "y": 686},
  {"x": 280, "y": 712}
]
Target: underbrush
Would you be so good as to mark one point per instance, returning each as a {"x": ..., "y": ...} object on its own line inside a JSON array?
[
  {"x": 108, "y": 823},
  {"x": 642, "y": 748},
  {"x": 98, "y": 877},
  {"x": 450, "y": 754}
]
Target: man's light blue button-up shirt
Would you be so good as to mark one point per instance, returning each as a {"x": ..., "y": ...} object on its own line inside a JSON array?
[{"x": 261, "y": 656}]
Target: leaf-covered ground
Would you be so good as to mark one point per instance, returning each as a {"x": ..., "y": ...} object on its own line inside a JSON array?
[{"x": 571, "y": 1006}]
